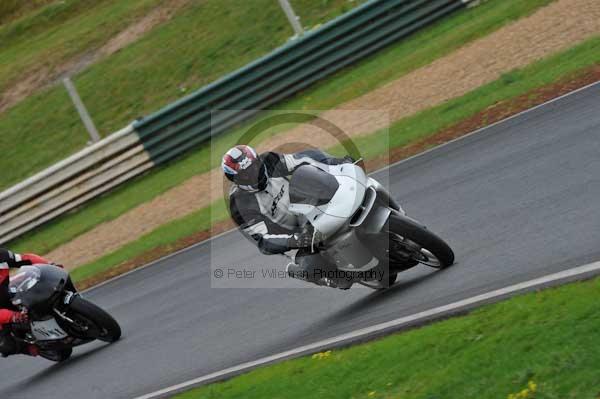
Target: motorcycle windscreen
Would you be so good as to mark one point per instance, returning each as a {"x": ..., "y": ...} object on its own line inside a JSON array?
[
  {"x": 21, "y": 283},
  {"x": 312, "y": 186},
  {"x": 36, "y": 285}
]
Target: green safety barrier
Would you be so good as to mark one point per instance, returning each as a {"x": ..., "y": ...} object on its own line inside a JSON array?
[{"x": 351, "y": 37}]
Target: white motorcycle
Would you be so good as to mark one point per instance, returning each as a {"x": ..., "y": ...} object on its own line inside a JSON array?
[{"x": 362, "y": 230}]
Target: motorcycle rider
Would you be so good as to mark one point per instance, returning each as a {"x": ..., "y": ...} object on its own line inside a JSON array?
[
  {"x": 10, "y": 318},
  {"x": 259, "y": 201}
]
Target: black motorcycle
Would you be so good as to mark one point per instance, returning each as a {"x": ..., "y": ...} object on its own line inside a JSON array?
[{"x": 60, "y": 318}]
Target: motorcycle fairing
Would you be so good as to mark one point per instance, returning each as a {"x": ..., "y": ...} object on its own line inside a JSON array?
[
  {"x": 47, "y": 330},
  {"x": 331, "y": 216}
]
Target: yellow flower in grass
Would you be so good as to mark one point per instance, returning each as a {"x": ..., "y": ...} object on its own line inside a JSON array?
[
  {"x": 321, "y": 355},
  {"x": 532, "y": 386},
  {"x": 526, "y": 393}
]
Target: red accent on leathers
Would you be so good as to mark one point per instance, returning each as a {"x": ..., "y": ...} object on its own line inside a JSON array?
[
  {"x": 20, "y": 317},
  {"x": 26, "y": 259},
  {"x": 35, "y": 259},
  {"x": 6, "y": 316},
  {"x": 33, "y": 350}
]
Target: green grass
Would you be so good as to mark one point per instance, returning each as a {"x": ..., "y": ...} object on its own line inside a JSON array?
[
  {"x": 46, "y": 124},
  {"x": 407, "y": 130},
  {"x": 14, "y": 9},
  {"x": 390, "y": 64},
  {"x": 548, "y": 338},
  {"x": 52, "y": 33},
  {"x": 200, "y": 44}
]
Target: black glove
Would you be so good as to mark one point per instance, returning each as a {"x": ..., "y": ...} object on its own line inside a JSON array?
[
  {"x": 20, "y": 321},
  {"x": 309, "y": 238}
]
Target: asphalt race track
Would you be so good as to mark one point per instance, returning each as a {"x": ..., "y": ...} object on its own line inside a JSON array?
[{"x": 516, "y": 201}]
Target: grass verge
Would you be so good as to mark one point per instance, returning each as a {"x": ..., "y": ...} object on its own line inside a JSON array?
[
  {"x": 540, "y": 345},
  {"x": 47, "y": 35},
  {"x": 396, "y": 61},
  {"x": 203, "y": 41},
  {"x": 14, "y": 9},
  {"x": 514, "y": 92}
]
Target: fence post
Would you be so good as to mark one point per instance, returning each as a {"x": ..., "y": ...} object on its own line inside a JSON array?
[
  {"x": 83, "y": 113},
  {"x": 292, "y": 17}
]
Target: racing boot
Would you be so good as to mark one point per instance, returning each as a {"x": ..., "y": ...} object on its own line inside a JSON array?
[
  {"x": 296, "y": 271},
  {"x": 9, "y": 346}
]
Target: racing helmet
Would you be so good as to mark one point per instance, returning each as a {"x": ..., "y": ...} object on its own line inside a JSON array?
[{"x": 242, "y": 165}]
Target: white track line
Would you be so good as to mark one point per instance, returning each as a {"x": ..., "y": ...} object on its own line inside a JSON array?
[
  {"x": 377, "y": 171},
  {"x": 393, "y": 324}
]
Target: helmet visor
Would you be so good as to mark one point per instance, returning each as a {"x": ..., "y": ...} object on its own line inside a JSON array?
[{"x": 254, "y": 177}]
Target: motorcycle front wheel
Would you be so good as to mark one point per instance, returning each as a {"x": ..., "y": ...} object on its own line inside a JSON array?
[
  {"x": 409, "y": 239},
  {"x": 92, "y": 322}
]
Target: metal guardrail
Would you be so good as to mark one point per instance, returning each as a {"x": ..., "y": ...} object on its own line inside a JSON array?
[
  {"x": 71, "y": 182},
  {"x": 187, "y": 123}
]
